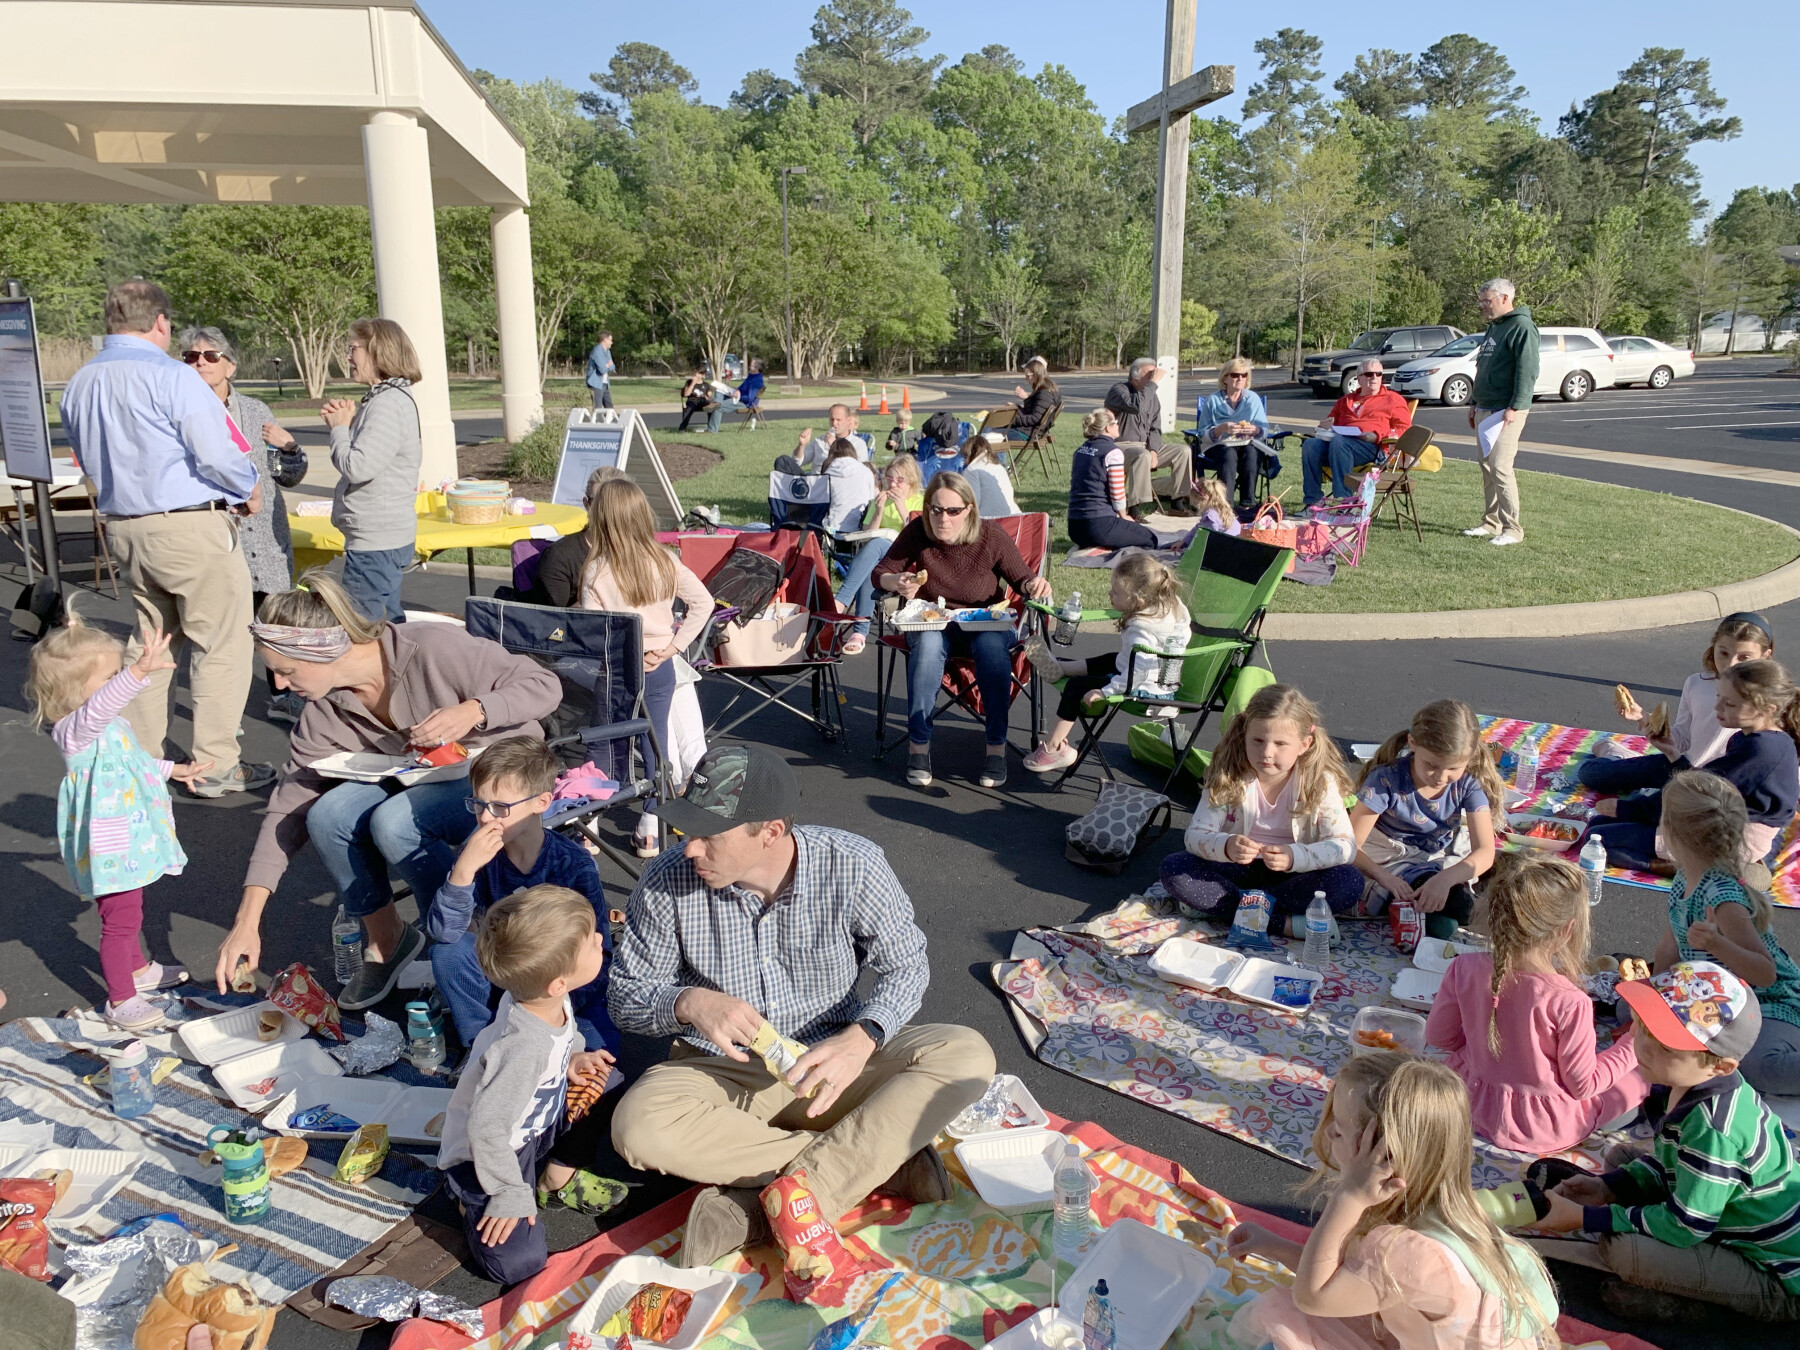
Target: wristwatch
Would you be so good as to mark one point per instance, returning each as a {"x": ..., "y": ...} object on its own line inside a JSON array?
[
  {"x": 873, "y": 1027},
  {"x": 481, "y": 725}
]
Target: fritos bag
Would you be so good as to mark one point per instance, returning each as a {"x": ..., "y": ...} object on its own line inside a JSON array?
[
  {"x": 24, "y": 1241},
  {"x": 818, "y": 1264},
  {"x": 297, "y": 991}
]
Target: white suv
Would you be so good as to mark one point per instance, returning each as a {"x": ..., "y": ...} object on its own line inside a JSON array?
[{"x": 1572, "y": 363}]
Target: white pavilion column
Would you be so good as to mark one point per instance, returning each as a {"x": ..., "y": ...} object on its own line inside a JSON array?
[
  {"x": 397, "y": 161},
  {"x": 521, "y": 392}
]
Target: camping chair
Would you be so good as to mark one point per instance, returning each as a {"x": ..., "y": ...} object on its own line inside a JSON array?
[
  {"x": 751, "y": 411},
  {"x": 1031, "y": 533},
  {"x": 799, "y": 576},
  {"x": 1228, "y": 583},
  {"x": 1413, "y": 452},
  {"x": 598, "y": 655},
  {"x": 1040, "y": 445},
  {"x": 1347, "y": 527},
  {"x": 1268, "y": 467}
]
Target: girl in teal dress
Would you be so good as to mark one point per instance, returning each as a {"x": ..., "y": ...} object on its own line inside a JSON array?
[{"x": 112, "y": 814}]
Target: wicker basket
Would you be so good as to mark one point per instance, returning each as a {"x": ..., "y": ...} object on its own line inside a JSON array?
[{"x": 474, "y": 501}]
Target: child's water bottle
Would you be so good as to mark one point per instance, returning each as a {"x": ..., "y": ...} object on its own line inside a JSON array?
[
  {"x": 1525, "y": 766},
  {"x": 246, "y": 1184},
  {"x": 1074, "y": 1216},
  {"x": 346, "y": 946},
  {"x": 1593, "y": 867},
  {"x": 129, "y": 1080},
  {"x": 1068, "y": 620},
  {"x": 424, "y": 1038},
  {"x": 1318, "y": 932}
]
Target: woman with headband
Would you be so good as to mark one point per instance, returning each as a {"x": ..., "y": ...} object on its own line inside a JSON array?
[{"x": 387, "y": 689}]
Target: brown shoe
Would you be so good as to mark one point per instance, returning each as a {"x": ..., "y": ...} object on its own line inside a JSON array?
[
  {"x": 723, "y": 1220},
  {"x": 920, "y": 1179}
]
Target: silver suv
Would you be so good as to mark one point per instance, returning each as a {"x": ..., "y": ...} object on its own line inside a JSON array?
[{"x": 1330, "y": 373}]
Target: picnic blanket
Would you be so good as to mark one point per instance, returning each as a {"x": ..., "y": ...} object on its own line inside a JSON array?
[
  {"x": 317, "y": 1223},
  {"x": 972, "y": 1272},
  {"x": 1560, "y": 751},
  {"x": 1094, "y": 1009}
]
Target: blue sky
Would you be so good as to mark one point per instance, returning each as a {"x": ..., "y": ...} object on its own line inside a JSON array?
[{"x": 1562, "y": 52}]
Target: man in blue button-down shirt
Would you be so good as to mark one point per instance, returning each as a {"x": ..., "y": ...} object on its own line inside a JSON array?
[
  {"x": 168, "y": 476},
  {"x": 755, "y": 923}
]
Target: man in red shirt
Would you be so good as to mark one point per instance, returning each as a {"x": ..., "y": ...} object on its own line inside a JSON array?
[{"x": 1374, "y": 411}]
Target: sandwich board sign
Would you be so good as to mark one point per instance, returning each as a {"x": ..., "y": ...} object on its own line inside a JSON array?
[
  {"x": 24, "y": 424},
  {"x": 599, "y": 438}
]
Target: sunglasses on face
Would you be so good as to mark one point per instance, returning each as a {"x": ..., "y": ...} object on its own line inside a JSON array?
[
  {"x": 948, "y": 510},
  {"x": 1237, "y": 377},
  {"x": 498, "y": 810},
  {"x": 194, "y": 358}
]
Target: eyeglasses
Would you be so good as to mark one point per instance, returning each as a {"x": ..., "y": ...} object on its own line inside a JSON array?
[
  {"x": 196, "y": 357},
  {"x": 1372, "y": 375},
  {"x": 498, "y": 810},
  {"x": 1237, "y": 375},
  {"x": 948, "y": 510}
]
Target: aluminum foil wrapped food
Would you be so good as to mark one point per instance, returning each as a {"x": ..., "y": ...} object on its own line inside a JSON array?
[
  {"x": 150, "y": 1253},
  {"x": 395, "y": 1300},
  {"x": 986, "y": 1114},
  {"x": 379, "y": 1046}
]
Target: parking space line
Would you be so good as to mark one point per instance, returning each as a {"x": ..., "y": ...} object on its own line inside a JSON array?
[
  {"x": 1730, "y": 410},
  {"x": 1729, "y": 426}
]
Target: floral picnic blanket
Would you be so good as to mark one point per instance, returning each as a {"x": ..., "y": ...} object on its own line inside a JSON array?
[
  {"x": 1560, "y": 751},
  {"x": 1247, "y": 1071}
]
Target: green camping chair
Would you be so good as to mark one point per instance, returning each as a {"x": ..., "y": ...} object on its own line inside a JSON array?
[{"x": 1229, "y": 583}]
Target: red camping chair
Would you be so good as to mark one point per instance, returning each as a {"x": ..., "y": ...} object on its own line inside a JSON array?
[
  {"x": 806, "y": 582},
  {"x": 1031, "y": 533}
]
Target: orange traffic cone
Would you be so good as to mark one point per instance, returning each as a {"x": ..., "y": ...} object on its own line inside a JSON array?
[
  {"x": 884, "y": 407},
  {"x": 864, "y": 405},
  {"x": 906, "y": 398}
]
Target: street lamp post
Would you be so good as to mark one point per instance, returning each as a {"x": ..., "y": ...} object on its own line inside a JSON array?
[{"x": 787, "y": 276}]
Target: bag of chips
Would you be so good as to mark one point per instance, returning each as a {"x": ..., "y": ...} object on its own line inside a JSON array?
[
  {"x": 24, "y": 1241},
  {"x": 297, "y": 992},
  {"x": 655, "y": 1313},
  {"x": 363, "y": 1154},
  {"x": 818, "y": 1264},
  {"x": 779, "y": 1054}
]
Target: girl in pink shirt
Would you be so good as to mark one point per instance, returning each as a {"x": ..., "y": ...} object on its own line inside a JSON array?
[{"x": 1518, "y": 1025}]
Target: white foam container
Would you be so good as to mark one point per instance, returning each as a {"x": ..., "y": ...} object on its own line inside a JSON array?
[
  {"x": 368, "y": 1101},
  {"x": 1416, "y": 988},
  {"x": 1151, "y": 1279},
  {"x": 1036, "y": 1118},
  {"x": 1256, "y": 982},
  {"x": 289, "y": 1063},
  {"x": 710, "y": 1288},
  {"x": 363, "y": 766},
  {"x": 1430, "y": 954},
  {"x": 214, "y": 1040},
  {"x": 1198, "y": 965},
  {"x": 1033, "y": 1334},
  {"x": 98, "y": 1174},
  {"x": 1012, "y": 1171}
]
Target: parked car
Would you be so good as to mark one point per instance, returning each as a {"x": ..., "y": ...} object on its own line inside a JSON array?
[
  {"x": 1329, "y": 373},
  {"x": 1642, "y": 360},
  {"x": 1572, "y": 363}
]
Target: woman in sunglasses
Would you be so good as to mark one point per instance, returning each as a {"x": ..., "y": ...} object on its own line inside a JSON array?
[
  {"x": 280, "y": 462},
  {"x": 950, "y": 553}
]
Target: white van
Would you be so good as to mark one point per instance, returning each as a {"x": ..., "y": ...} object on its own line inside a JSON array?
[{"x": 1572, "y": 363}]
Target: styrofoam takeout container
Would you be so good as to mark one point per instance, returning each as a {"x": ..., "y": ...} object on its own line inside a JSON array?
[
  {"x": 1431, "y": 954},
  {"x": 1212, "y": 970},
  {"x": 289, "y": 1063},
  {"x": 98, "y": 1174},
  {"x": 406, "y": 1111},
  {"x": 1034, "y": 1333},
  {"x": 214, "y": 1040},
  {"x": 711, "y": 1290},
  {"x": 1416, "y": 988},
  {"x": 1036, "y": 1118},
  {"x": 1012, "y": 1172},
  {"x": 1151, "y": 1280},
  {"x": 363, "y": 766}
]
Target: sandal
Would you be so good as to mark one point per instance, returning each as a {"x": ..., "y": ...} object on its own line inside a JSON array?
[
  {"x": 585, "y": 1193},
  {"x": 854, "y": 644}
]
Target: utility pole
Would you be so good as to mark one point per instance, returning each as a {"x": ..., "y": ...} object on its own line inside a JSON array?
[{"x": 787, "y": 275}]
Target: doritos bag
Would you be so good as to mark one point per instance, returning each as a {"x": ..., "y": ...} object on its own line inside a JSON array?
[
  {"x": 24, "y": 1241},
  {"x": 818, "y": 1264},
  {"x": 297, "y": 991}
]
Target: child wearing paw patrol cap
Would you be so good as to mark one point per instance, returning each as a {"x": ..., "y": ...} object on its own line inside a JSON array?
[{"x": 1712, "y": 1213}]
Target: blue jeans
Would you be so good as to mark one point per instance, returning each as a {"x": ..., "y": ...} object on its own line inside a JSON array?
[
  {"x": 925, "y": 676},
  {"x": 365, "y": 834},
  {"x": 373, "y": 580},
  {"x": 659, "y": 694},
  {"x": 716, "y": 418},
  {"x": 857, "y": 594},
  {"x": 1345, "y": 452},
  {"x": 1622, "y": 777}
]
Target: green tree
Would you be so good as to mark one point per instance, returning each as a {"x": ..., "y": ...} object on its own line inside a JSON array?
[
  {"x": 1506, "y": 240},
  {"x": 577, "y": 255},
  {"x": 707, "y": 256},
  {"x": 1468, "y": 75},
  {"x": 1199, "y": 332},
  {"x": 1010, "y": 303},
  {"x": 55, "y": 251},
  {"x": 1288, "y": 99},
  {"x": 1408, "y": 296},
  {"x": 1749, "y": 232},
  {"x": 867, "y": 51},
  {"x": 636, "y": 69},
  {"x": 1118, "y": 305},
  {"x": 1598, "y": 285},
  {"x": 1382, "y": 84},
  {"x": 913, "y": 310},
  {"x": 1644, "y": 125},
  {"x": 305, "y": 271}
]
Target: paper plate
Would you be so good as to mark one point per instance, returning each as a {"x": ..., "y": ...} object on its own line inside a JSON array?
[{"x": 1036, "y": 1118}]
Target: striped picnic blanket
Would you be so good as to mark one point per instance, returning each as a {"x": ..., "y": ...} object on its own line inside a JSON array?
[{"x": 317, "y": 1223}]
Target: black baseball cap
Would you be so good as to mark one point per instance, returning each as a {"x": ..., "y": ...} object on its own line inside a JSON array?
[{"x": 731, "y": 786}]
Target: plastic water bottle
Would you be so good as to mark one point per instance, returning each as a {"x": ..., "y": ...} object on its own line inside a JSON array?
[
  {"x": 1593, "y": 867},
  {"x": 424, "y": 1038},
  {"x": 1318, "y": 932},
  {"x": 1074, "y": 1217},
  {"x": 1097, "y": 1331},
  {"x": 1068, "y": 621},
  {"x": 1525, "y": 768},
  {"x": 129, "y": 1080},
  {"x": 346, "y": 946}
]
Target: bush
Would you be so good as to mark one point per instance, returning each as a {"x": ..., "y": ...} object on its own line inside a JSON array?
[{"x": 537, "y": 453}]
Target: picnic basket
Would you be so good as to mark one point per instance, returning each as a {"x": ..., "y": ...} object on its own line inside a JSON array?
[
  {"x": 476, "y": 501},
  {"x": 1307, "y": 538}
]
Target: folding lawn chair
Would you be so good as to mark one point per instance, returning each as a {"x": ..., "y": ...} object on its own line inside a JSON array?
[
  {"x": 598, "y": 655},
  {"x": 1031, "y": 533},
  {"x": 1347, "y": 527},
  {"x": 1228, "y": 583},
  {"x": 1040, "y": 445},
  {"x": 810, "y": 644},
  {"x": 1412, "y": 453}
]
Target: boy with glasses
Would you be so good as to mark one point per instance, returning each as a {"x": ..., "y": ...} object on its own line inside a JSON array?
[{"x": 510, "y": 785}]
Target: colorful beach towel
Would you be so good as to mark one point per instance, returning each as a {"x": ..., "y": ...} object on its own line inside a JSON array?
[
  {"x": 971, "y": 1271},
  {"x": 1097, "y": 1011},
  {"x": 1560, "y": 751}
]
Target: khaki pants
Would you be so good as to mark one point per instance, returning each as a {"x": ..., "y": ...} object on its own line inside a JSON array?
[
  {"x": 188, "y": 577},
  {"x": 1141, "y": 466},
  {"x": 721, "y": 1123},
  {"x": 1499, "y": 489},
  {"x": 1708, "y": 1272}
]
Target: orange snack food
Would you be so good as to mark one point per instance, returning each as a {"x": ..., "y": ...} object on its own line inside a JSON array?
[
  {"x": 1377, "y": 1039},
  {"x": 451, "y": 752},
  {"x": 818, "y": 1264}
]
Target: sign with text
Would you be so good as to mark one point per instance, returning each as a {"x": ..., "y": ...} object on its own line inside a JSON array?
[
  {"x": 24, "y": 423},
  {"x": 613, "y": 438}
]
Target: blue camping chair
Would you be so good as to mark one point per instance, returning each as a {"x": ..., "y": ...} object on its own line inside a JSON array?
[
  {"x": 931, "y": 459},
  {"x": 1268, "y": 467}
]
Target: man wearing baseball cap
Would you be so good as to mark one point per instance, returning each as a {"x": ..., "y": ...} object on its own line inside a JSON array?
[
  {"x": 1712, "y": 1213},
  {"x": 756, "y": 921}
]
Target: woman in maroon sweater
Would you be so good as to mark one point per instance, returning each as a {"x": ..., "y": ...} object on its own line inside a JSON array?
[{"x": 948, "y": 552}]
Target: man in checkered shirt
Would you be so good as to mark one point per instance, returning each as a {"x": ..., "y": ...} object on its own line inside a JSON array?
[{"x": 757, "y": 920}]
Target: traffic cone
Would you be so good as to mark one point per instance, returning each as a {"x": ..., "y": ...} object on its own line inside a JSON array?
[
  {"x": 883, "y": 410},
  {"x": 864, "y": 405},
  {"x": 906, "y": 398}
]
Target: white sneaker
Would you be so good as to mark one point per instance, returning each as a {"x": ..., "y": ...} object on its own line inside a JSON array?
[
  {"x": 1502, "y": 540},
  {"x": 1479, "y": 532}
]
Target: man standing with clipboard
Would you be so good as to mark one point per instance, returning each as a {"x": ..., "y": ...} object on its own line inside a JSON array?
[{"x": 1506, "y": 371}]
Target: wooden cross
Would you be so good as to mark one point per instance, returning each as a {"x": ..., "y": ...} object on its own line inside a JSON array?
[{"x": 1168, "y": 112}]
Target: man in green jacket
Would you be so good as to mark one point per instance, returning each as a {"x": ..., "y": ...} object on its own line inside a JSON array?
[{"x": 1506, "y": 370}]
